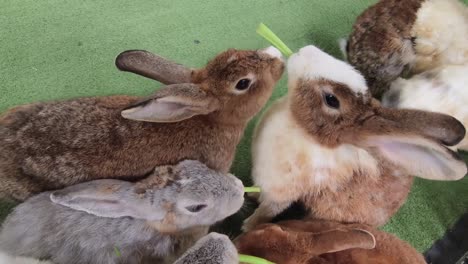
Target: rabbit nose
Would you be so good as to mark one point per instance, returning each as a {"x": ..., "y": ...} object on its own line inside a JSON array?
[{"x": 273, "y": 52}]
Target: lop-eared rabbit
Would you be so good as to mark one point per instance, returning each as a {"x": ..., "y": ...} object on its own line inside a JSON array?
[
  {"x": 201, "y": 114},
  {"x": 153, "y": 221},
  {"x": 331, "y": 146},
  {"x": 396, "y": 38},
  {"x": 326, "y": 242}
]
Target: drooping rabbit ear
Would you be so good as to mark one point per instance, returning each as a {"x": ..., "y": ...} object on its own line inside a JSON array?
[
  {"x": 340, "y": 239},
  {"x": 440, "y": 127},
  {"x": 173, "y": 103},
  {"x": 107, "y": 198},
  {"x": 413, "y": 141},
  {"x": 420, "y": 157},
  {"x": 152, "y": 66}
]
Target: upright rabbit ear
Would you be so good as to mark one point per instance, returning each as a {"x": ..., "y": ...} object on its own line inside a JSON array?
[
  {"x": 107, "y": 198},
  {"x": 152, "y": 66},
  {"x": 173, "y": 103}
]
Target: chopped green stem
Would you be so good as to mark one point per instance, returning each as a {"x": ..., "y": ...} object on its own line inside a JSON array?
[
  {"x": 253, "y": 260},
  {"x": 117, "y": 252},
  {"x": 251, "y": 189},
  {"x": 265, "y": 32}
]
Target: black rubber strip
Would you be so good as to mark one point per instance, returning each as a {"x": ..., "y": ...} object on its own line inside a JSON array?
[{"x": 452, "y": 248}]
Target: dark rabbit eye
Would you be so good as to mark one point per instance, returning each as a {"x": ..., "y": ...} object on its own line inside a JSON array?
[
  {"x": 195, "y": 208},
  {"x": 243, "y": 84},
  {"x": 332, "y": 101}
]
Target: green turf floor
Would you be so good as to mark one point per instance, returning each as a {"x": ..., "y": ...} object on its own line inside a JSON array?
[{"x": 53, "y": 49}]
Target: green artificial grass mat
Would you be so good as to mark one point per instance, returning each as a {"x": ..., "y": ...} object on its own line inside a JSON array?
[{"x": 55, "y": 49}]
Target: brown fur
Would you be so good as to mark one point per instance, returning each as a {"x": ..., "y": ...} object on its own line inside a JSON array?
[
  {"x": 47, "y": 146},
  {"x": 162, "y": 177},
  {"x": 323, "y": 242},
  {"x": 354, "y": 164},
  {"x": 361, "y": 117},
  {"x": 381, "y": 45}
]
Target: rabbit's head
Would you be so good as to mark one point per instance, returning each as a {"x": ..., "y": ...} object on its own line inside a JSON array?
[
  {"x": 296, "y": 243},
  {"x": 173, "y": 198},
  {"x": 233, "y": 86},
  {"x": 330, "y": 100}
]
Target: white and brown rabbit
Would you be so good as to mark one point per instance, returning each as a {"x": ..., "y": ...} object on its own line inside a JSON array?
[
  {"x": 398, "y": 37},
  {"x": 330, "y": 145},
  {"x": 442, "y": 90},
  {"x": 153, "y": 221},
  {"x": 200, "y": 115}
]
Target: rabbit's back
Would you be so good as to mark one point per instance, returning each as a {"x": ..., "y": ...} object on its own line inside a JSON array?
[
  {"x": 52, "y": 145},
  {"x": 440, "y": 30},
  {"x": 41, "y": 229},
  {"x": 440, "y": 90}
]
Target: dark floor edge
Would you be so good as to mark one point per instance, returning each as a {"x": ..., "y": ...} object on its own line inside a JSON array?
[{"x": 452, "y": 248}]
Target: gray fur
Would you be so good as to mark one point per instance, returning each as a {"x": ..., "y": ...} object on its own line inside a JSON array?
[
  {"x": 148, "y": 222},
  {"x": 214, "y": 248}
]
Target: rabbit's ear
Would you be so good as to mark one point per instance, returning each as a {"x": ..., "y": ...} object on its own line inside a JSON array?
[
  {"x": 341, "y": 239},
  {"x": 439, "y": 127},
  {"x": 152, "y": 66},
  {"x": 173, "y": 103},
  {"x": 107, "y": 198},
  {"x": 419, "y": 157},
  {"x": 414, "y": 141}
]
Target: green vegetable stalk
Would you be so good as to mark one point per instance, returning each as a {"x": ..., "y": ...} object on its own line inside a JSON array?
[
  {"x": 265, "y": 32},
  {"x": 251, "y": 189},
  {"x": 253, "y": 260}
]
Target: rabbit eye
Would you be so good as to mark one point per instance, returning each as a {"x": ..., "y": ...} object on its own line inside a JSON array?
[
  {"x": 195, "y": 208},
  {"x": 243, "y": 84},
  {"x": 332, "y": 101}
]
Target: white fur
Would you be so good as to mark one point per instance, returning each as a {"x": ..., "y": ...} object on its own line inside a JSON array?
[
  {"x": 312, "y": 63},
  {"x": 441, "y": 29},
  {"x": 272, "y": 51},
  {"x": 447, "y": 93},
  {"x": 342, "y": 42},
  {"x": 288, "y": 163},
  {"x": 7, "y": 259}
]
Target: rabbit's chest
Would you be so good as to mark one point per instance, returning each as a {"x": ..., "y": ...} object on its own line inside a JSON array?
[
  {"x": 288, "y": 161},
  {"x": 361, "y": 200}
]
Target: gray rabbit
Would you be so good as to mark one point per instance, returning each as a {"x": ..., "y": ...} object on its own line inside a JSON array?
[{"x": 114, "y": 221}]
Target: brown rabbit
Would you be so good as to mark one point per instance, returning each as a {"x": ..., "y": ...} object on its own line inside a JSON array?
[
  {"x": 331, "y": 146},
  {"x": 324, "y": 242},
  {"x": 399, "y": 37},
  {"x": 200, "y": 115}
]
